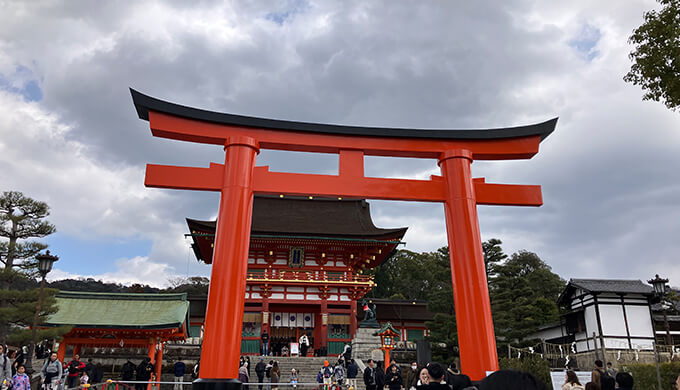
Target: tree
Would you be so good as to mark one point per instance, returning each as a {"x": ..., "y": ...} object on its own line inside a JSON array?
[
  {"x": 194, "y": 285},
  {"x": 22, "y": 218},
  {"x": 18, "y": 310},
  {"x": 493, "y": 256},
  {"x": 656, "y": 58},
  {"x": 523, "y": 297}
]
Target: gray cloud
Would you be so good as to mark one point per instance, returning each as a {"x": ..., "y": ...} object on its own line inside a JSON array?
[{"x": 610, "y": 187}]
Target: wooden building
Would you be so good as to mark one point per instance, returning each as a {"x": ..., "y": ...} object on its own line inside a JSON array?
[
  {"x": 306, "y": 266},
  {"x": 614, "y": 312}
]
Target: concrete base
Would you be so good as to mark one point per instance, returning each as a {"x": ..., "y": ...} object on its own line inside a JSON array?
[{"x": 216, "y": 384}]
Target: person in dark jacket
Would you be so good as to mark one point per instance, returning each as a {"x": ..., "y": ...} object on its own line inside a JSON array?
[
  {"x": 393, "y": 379},
  {"x": 435, "y": 374},
  {"x": 352, "y": 372},
  {"x": 97, "y": 374},
  {"x": 129, "y": 369},
  {"x": 624, "y": 381},
  {"x": 455, "y": 379},
  {"x": 380, "y": 376},
  {"x": 511, "y": 380},
  {"x": 370, "y": 376},
  {"x": 179, "y": 369},
  {"x": 260, "y": 371},
  {"x": 144, "y": 371}
]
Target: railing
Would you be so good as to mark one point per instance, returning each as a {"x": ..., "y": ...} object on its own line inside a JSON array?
[{"x": 156, "y": 385}]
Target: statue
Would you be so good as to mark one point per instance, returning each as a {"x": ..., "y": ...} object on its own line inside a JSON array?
[{"x": 369, "y": 320}]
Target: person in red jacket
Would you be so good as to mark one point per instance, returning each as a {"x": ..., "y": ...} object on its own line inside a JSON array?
[{"x": 75, "y": 366}]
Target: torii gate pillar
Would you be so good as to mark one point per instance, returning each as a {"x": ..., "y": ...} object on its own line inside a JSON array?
[{"x": 476, "y": 337}]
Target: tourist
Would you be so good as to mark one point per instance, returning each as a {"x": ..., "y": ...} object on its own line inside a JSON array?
[
  {"x": 352, "y": 372},
  {"x": 572, "y": 382},
  {"x": 97, "y": 374},
  {"x": 268, "y": 372},
  {"x": 128, "y": 371},
  {"x": 275, "y": 375},
  {"x": 339, "y": 373},
  {"x": 326, "y": 373},
  {"x": 423, "y": 378},
  {"x": 179, "y": 369},
  {"x": 347, "y": 353},
  {"x": 75, "y": 366},
  {"x": 304, "y": 344},
  {"x": 5, "y": 368},
  {"x": 601, "y": 377},
  {"x": 243, "y": 374},
  {"x": 89, "y": 368},
  {"x": 20, "y": 359},
  {"x": 435, "y": 378},
  {"x": 393, "y": 379},
  {"x": 144, "y": 370},
  {"x": 284, "y": 350},
  {"x": 12, "y": 355},
  {"x": 265, "y": 343},
  {"x": 380, "y": 376},
  {"x": 412, "y": 377},
  {"x": 455, "y": 379},
  {"x": 370, "y": 376},
  {"x": 511, "y": 380},
  {"x": 51, "y": 372},
  {"x": 84, "y": 379},
  {"x": 611, "y": 370},
  {"x": 293, "y": 378},
  {"x": 260, "y": 368},
  {"x": 592, "y": 386},
  {"x": 624, "y": 381},
  {"x": 20, "y": 380}
]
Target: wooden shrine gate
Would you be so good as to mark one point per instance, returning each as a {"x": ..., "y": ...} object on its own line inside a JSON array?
[{"x": 238, "y": 179}]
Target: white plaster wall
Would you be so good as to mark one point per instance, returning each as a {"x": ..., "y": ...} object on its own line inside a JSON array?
[
  {"x": 641, "y": 344},
  {"x": 616, "y": 343},
  {"x": 591, "y": 321},
  {"x": 639, "y": 321},
  {"x": 611, "y": 317}
]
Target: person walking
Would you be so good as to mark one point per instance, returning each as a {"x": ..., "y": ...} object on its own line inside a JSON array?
[
  {"x": 275, "y": 375},
  {"x": 412, "y": 377},
  {"x": 75, "y": 367},
  {"x": 601, "y": 377},
  {"x": 243, "y": 375},
  {"x": 260, "y": 368},
  {"x": 352, "y": 372},
  {"x": 326, "y": 373},
  {"x": 5, "y": 368},
  {"x": 51, "y": 372},
  {"x": 128, "y": 371},
  {"x": 20, "y": 380},
  {"x": 179, "y": 369},
  {"x": 339, "y": 374}
]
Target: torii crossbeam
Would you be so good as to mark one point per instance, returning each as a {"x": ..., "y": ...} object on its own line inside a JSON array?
[{"x": 238, "y": 179}]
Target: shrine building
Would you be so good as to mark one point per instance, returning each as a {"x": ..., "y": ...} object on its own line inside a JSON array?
[{"x": 306, "y": 264}]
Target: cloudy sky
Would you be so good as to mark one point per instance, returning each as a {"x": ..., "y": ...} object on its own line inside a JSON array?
[{"x": 69, "y": 134}]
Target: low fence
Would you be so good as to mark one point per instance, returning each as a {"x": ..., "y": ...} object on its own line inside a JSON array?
[{"x": 180, "y": 385}]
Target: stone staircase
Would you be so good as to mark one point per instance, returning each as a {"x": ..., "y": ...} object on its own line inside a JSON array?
[{"x": 306, "y": 367}]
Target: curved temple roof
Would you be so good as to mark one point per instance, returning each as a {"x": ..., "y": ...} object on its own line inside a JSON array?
[{"x": 144, "y": 104}]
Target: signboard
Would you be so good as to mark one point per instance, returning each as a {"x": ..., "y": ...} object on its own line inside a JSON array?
[
  {"x": 294, "y": 349},
  {"x": 559, "y": 377}
]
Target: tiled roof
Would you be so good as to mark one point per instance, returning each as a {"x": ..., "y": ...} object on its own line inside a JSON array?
[
  {"x": 613, "y": 285},
  {"x": 119, "y": 310}
]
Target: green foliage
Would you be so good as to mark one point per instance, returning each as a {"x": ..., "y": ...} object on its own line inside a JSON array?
[
  {"x": 21, "y": 218},
  {"x": 194, "y": 285},
  {"x": 656, "y": 57},
  {"x": 645, "y": 375},
  {"x": 493, "y": 256},
  {"x": 532, "y": 364},
  {"x": 523, "y": 297},
  {"x": 18, "y": 312}
]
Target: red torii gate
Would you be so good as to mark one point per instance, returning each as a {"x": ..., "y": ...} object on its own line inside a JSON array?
[{"x": 238, "y": 179}]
